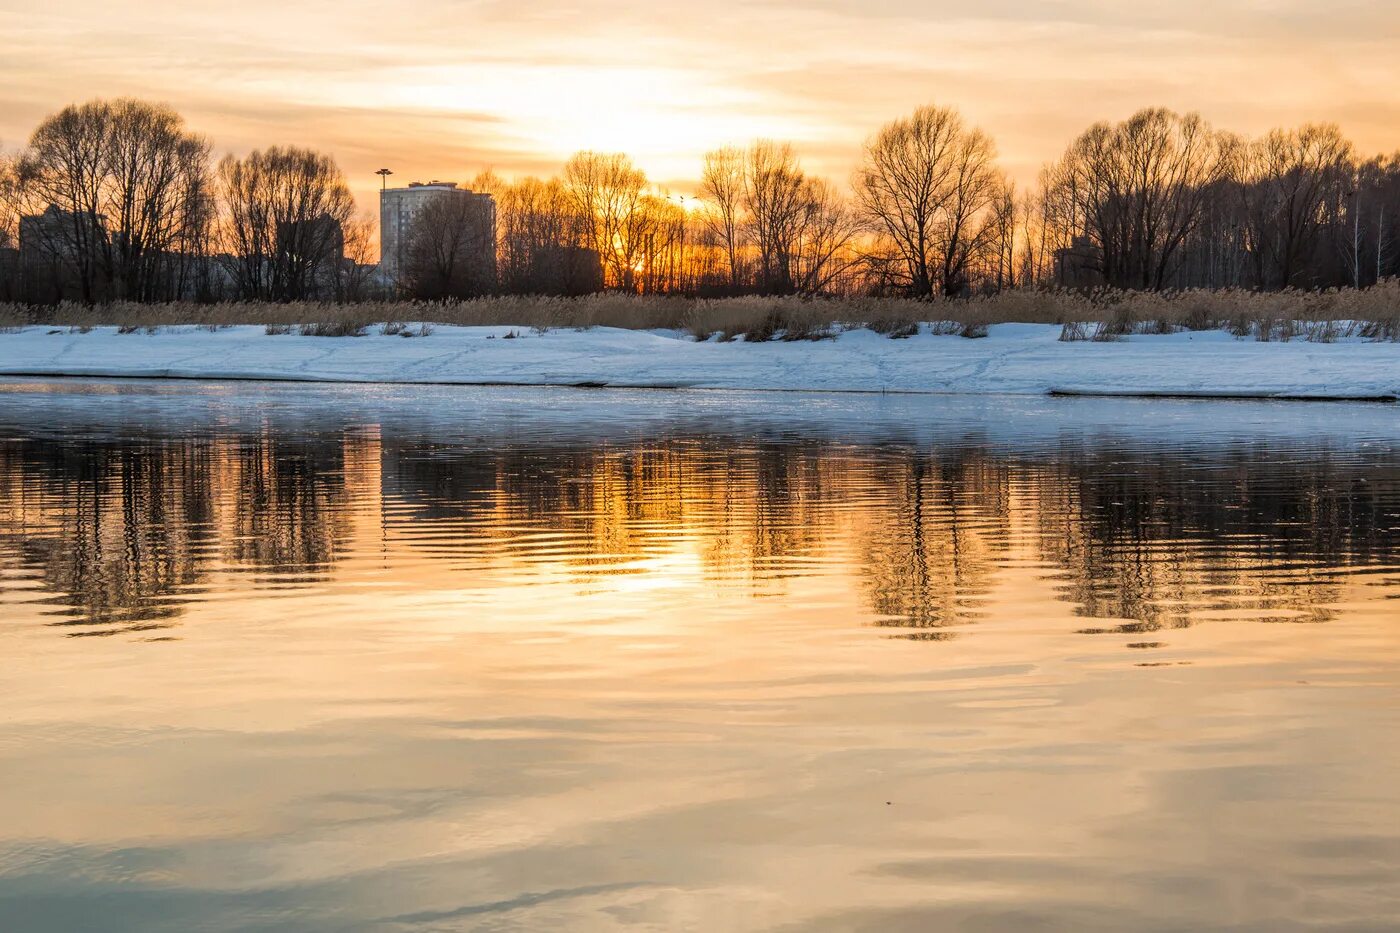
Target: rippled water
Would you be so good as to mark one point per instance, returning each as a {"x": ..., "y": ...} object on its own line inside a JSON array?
[{"x": 356, "y": 658}]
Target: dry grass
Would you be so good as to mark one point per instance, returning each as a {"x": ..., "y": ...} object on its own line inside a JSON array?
[
  {"x": 1372, "y": 313},
  {"x": 1321, "y": 317}
]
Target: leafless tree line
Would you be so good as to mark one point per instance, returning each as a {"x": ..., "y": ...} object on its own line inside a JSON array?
[
  {"x": 601, "y": 224},
  {"x": 118, "y": 200},
  {"x": 130, "y": 165},
  {"x": 777, "y": 229},
  {"x": 285, "y": 216},
  {"x": 122, "y": 201},
  {"x": 1162, "y": 200},
  {"x": 1157, "y": 201}
]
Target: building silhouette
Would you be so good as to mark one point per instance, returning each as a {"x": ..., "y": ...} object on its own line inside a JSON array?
[
  {"x": 60, "y": 255},
  {"x": 1079, "y": 265}
]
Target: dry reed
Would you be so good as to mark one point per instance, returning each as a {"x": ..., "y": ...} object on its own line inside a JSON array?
[{"x": 1372, "y": 313}]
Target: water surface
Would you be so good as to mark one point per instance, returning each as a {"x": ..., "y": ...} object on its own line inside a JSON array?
[{"x": 437, "y": 658}]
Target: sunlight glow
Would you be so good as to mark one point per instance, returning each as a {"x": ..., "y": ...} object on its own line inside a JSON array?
[
  {"x": 663, "y": 118},
  {"x": 443, "y": 89}
]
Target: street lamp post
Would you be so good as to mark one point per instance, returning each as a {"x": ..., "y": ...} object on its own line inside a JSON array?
[{"x": 383, "y": 174}]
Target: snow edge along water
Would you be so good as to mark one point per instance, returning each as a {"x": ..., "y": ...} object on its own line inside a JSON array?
[{"x": 1016, "y": 359}]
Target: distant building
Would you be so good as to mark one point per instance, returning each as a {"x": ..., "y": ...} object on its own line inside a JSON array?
[
  {"x": 60, "y": 254},
  {"x": 320, "y": 239},
  {"x": 1079, "y": 265},
  {"x": 60, "y": 234},
  {"x": 400, "y": 207},
  {"x": 210, "y": 278}
]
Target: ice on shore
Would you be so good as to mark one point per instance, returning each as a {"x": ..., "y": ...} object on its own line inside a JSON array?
[{"x": 1013, "y": 358}]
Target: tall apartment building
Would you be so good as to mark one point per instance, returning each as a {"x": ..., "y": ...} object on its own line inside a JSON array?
[{"x": 400, "y": 207}]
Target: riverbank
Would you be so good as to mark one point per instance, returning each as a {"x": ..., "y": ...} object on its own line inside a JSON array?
[{"x": 1024, "y": 359}]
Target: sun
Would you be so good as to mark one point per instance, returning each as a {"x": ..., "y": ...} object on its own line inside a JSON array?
[{"x": 664, "y": 118}]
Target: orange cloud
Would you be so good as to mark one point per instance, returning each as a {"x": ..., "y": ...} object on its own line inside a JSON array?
[{"x": 444, "y": 89}]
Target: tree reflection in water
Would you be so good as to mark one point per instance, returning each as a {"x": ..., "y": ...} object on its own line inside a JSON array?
[{"x": 122, "y": 533}]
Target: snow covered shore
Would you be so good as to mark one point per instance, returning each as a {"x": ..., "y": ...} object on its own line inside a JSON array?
[{"x": 1013, "y": 358}]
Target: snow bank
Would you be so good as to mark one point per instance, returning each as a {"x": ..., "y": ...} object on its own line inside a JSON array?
[{"x": 1013, "y": 358}]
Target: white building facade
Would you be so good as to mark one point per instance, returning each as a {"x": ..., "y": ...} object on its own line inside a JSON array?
[{"x": 400, "y": 207}]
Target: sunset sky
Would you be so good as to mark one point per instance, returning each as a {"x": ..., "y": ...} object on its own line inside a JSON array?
[{"x": 445, "y": 88}]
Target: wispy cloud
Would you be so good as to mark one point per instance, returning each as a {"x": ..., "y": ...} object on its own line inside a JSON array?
[{"x": 445, "y": 88}]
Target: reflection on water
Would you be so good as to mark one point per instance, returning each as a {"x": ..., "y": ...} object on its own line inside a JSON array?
[
  {"x": 124, "y": 532},
  {"x": 552, "y": 655}
]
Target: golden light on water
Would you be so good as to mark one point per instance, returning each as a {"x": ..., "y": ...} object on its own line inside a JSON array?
[{"x": 358, "y": 654}]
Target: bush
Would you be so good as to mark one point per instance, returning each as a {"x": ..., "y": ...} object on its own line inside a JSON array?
[
  {"x": 334, "y": 329},
  {"x": 1073, "y": 331}
]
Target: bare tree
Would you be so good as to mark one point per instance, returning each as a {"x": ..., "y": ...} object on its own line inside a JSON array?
[
  {"x": 774, "y": 185},
  {"x": 11, "y": 202},
  {"x": 1380, "y": 177},
  {"x": 284, "y": 215},
  {"x": 1003, "y": 226},
  {"x": 127, "y": 184},
  {"x": 158, "y": 200},
  {"x": 488, "y": 182},
  {"x": 1138, "y": 188},
  {"x": 65, "y": 168},
  {"x": 607, "y": 188},
  {"x": 357, "y": 277},
  {"x": 248, "y": 232},
  {"x": 722, "y": 187},
  {"x": 826, "y": 235},
  {"x": 451, "y": 249},
  {"x": 1284, "y": 181},
  {"x": 546, "y": 242},
  {"x": 924, "y": 185},
  {"x": 660, "y": 228},
  {"x": 964, "y": 228}
]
